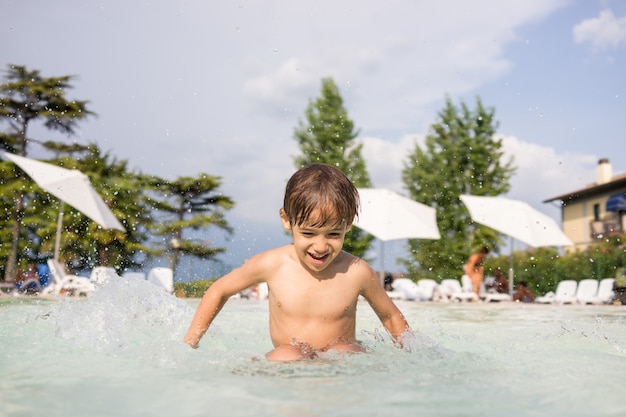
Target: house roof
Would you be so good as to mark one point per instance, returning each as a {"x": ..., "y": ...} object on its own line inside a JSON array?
[{"x": 617, "y": 183}]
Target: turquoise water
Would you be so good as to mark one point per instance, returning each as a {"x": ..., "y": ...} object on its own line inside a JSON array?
[{"x": 119, "y": 353}]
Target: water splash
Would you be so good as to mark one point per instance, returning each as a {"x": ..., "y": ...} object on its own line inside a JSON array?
[{"x": 122, "y": 314}]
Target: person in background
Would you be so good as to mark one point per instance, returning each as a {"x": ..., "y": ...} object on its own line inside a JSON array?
[
  {"x": 500, "y": 283},
  {"x": 523, "y": 293},
  {"x": 388, "y": 282},
  {"x": 27, "y": 282},
  {"x": 475, "y": 268}
]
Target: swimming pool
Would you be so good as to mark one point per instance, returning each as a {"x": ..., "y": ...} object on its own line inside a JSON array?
[{"x": 119, "y": 353}]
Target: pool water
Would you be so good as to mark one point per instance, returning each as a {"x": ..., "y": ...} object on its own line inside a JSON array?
[{"x": 119, "y": 353}]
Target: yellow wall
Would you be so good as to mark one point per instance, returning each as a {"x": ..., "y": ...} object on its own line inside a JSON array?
[{"x": 577, "y": 219}]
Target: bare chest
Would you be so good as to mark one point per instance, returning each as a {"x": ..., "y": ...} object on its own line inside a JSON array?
[{"x": 324, "y": 299}]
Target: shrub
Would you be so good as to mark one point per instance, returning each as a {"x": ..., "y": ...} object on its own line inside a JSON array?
[
  {"x": 194, "y": 289},
  {"x": 544, "y": 268}
]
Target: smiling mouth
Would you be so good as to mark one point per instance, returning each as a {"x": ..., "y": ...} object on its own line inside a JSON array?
[{"x": 318, "y": 259}]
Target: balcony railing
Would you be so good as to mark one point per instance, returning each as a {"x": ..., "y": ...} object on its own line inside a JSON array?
[{"x": 612, "y": 224}]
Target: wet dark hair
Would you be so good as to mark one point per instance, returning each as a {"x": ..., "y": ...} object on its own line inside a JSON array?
[{"x": 322, "y": 191}]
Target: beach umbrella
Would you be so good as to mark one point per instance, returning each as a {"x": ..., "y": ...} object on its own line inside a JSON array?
[
  {"x": 518, "y": 220},
  {"x": 390, "y": 216},
  {"x": 70, "y": 186}
]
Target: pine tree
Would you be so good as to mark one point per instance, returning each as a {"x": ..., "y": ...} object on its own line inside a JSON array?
[
  {"x": 461, "y": 156},
  {"x": 190, "y": 203}
]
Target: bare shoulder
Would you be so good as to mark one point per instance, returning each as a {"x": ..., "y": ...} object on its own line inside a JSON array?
[
  {"x": 357, "y": 267},
  {"x": 266, "y": 261}
]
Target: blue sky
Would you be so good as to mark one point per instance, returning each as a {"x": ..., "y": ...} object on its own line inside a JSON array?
[{"x": 182, "y": 88}]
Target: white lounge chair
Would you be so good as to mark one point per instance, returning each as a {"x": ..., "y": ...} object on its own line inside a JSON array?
[
  {"x": 406, "y": 288},
  {"x": 586, "y": 291},
  {"x": 426, "y": 289},
  {"x": 605, "y": 293},
  {"x": 451, "y": 290},
  {"x": 565, "y": 293},
  {"x": 444, "y": 290},
  {"x": 162, "y": 277},
  {"x": 65, "y": 283}
]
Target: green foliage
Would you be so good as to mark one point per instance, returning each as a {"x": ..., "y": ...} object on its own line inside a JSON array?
[
  {"x": 544, "y": 268},
  {"x": 328, "y": 136},
  {"x": 598, "y": 261},
  {"x": 190, "y": 203},
  {"x": 195, "y": 289},
  {"x": 538, "y": 267},
  {"x": 461, "y": 156},
  {"x": 27, "y": 96}
]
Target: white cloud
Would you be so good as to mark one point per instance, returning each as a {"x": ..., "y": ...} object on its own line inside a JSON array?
[
  {"x": 604, "y": 31},
  {"x": 385, "y": 160},
  {"x": 542, "y": 172},
  {"x": 411, "y": 61}
]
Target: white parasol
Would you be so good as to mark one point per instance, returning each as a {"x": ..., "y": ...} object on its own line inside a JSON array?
[{"x": 390, "y": 216}]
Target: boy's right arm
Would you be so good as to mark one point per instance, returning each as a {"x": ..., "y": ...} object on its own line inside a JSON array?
[
  {"x": 211, "y": 303},
  {"x": 217, "y": 295}
]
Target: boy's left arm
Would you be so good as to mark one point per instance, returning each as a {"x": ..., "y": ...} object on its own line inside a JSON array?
[{"x": 388, "y": 313}]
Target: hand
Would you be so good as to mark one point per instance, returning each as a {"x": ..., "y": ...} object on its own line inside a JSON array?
[{"x": 191, "y": 342}]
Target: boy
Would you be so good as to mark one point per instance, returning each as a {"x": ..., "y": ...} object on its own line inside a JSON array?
[{"x": 313, "y": 285}]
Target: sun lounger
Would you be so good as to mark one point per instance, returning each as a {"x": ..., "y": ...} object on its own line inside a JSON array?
[
  {"x": 586, "y": 291},
  {"x": 426, "y": 289},
  {"x": 451, "y": 290},
  {"x": 404, "y": 288},
  {"x": 65, "y": 283},
  {"x": 565, "y": 293},
  {"x": 605, "y": 293}
]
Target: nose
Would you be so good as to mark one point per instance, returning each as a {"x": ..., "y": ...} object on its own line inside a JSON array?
[{"x": 319, "y": 244}]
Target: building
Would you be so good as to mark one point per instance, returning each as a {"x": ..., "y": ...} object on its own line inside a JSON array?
[{"x": 596, "y": 211}]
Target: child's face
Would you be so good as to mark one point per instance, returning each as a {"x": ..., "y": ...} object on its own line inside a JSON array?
[{"x": 316, "y": 247}]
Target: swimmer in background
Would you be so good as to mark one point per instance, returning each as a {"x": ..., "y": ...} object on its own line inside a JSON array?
[{"x": 313, "y": 284}]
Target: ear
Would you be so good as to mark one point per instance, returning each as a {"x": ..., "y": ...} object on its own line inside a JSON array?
[
  {"x": 285, "y": 220},
  {"x": 348, "y": 228}
]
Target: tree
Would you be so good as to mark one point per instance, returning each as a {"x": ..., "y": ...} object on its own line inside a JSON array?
[
  {"x": 328, "y": 136},
  {"x": 193, "y": 202},
  {"x": 26, "y": 97},
  {"x": 461, "y": 156}
]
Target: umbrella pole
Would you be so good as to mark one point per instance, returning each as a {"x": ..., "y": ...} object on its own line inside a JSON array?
[
  {"x": 511, "y": 269},
  {"x": 57, "y": 240}
]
